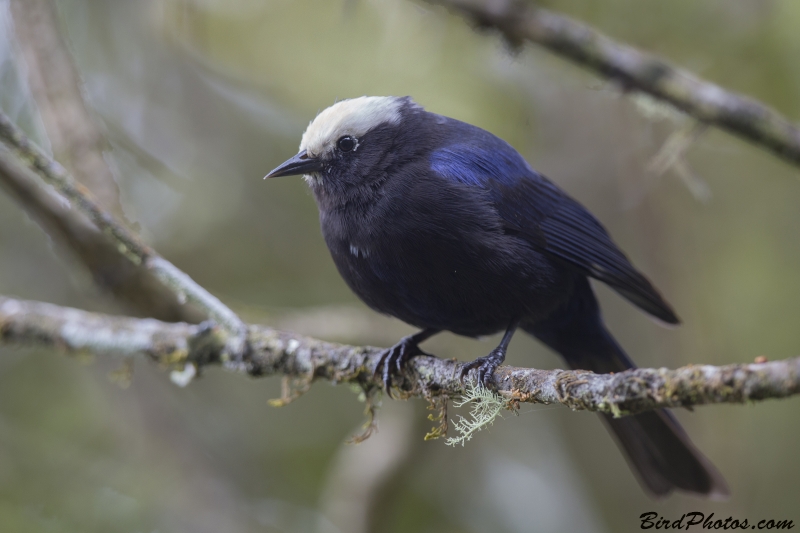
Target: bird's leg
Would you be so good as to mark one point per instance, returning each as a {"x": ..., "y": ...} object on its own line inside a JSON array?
[
  {"x": 398, "y": 355},
  {"x": 488, "y": 363}
]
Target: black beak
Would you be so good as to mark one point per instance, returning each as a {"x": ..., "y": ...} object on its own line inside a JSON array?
[{"x": 299, "y": 164}]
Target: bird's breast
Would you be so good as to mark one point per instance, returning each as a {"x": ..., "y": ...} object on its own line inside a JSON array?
[{"x": 437, "y": 271}]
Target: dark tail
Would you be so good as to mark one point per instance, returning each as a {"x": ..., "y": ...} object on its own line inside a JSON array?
[{"x": 656, "y": 446}]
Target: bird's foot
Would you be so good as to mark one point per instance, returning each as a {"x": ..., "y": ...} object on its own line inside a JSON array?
[
  {"x": 395, "y": 358},
  {"x": 486, "y": 366}
]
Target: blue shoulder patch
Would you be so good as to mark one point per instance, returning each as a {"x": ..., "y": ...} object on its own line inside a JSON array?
[{"x": 471, "y": 166}]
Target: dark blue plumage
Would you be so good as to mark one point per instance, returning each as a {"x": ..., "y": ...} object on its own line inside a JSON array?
[
  {"x": 541, "y": 213},
  {"x": 446, "y": 227},
  {"x": 481, "y": 166}
]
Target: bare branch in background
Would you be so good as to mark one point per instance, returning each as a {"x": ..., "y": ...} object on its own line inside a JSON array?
[
  {"x": 745, "y": 117},
  {"x": 280, "y": 353},
  {"x": 138, "y": 290},
  {"x": 77, "y": 140},
  {"x": 128, "y": 244}
]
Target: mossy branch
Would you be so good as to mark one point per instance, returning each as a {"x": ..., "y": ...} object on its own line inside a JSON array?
[
  {"x": 520, "y": 21},
  {"x": 179, "y": 346}
]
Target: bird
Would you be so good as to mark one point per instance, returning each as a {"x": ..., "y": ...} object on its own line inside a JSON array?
[{"x": 446, "y": 227}]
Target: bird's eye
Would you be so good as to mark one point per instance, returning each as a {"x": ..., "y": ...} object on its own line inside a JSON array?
[{"x": 346, "y": 144}]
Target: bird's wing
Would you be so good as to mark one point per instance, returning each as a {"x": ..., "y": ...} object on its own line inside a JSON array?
[{"x": 547, "y": 218}]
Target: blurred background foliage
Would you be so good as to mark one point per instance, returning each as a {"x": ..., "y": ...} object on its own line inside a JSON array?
[{"x": 201, "y": 98}]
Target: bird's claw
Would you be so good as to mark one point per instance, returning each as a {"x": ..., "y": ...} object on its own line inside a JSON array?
[
  {"x": 486, "y": 366},
  {"x": 396, "y": 358}
]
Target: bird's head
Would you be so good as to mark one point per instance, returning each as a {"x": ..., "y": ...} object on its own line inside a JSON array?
[{"x": 349, "y": 143}]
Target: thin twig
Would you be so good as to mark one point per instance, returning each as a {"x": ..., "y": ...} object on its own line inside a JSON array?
[
  {"x": 128, "y": 243},
  {"x": 634, "y": 70},
  {"x": 280, "y": 353}
]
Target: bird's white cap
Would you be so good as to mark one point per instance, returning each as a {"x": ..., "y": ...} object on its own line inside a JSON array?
[{"x": 353, "y": 117}]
